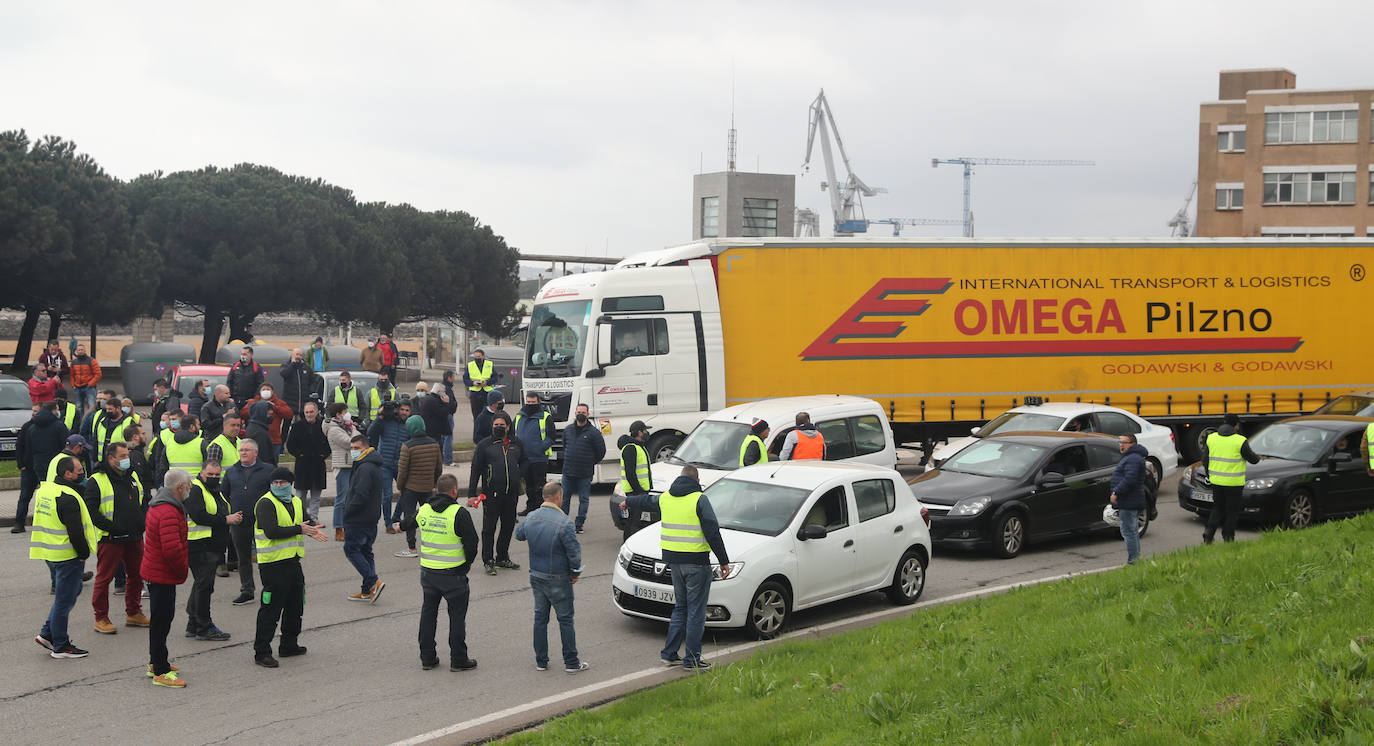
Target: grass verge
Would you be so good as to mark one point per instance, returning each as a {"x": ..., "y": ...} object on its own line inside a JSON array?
[
  {"x": 1267, "y": 641},
  {"x": 9, "y": 468}
]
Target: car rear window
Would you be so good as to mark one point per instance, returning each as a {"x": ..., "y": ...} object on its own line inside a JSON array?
[{"x": 874, "y": 498}]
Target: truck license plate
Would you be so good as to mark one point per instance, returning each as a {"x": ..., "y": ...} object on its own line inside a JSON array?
[
  {"x": 654, "y": 594},
  {"x": 1201, "y": 495}
]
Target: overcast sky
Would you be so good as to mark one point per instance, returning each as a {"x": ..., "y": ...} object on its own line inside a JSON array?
[{"x": 576, "y": 127}]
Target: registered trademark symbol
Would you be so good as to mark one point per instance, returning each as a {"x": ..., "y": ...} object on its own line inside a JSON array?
[{"x": 1357, "y": 272}]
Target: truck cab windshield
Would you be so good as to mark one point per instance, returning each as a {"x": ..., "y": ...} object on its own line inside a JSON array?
[{"x": 557, "y": 339}]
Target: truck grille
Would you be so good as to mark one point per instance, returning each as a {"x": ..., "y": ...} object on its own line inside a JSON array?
[{"x": 643, "y": 568}]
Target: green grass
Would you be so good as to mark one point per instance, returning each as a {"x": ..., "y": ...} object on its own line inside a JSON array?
[
  {"x": 9, "y": 468},
  {"x": 1268, "y": 641}
]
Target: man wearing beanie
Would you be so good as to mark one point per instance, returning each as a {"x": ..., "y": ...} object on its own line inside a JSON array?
[
  {"x": 752, "y": 450},
  {"x": 278, "y": 546},
  {"x": 481, "y": 425},
  {"x": 417, "y": 469},
  {"x": 497, "y": 463}
]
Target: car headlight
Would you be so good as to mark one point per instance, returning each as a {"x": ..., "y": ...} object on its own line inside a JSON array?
[
  {"x": 624, "y": 558},
  {"x": 970, "y": 505},
  {"x": 1259, "y": 484},
  {"x": 732, "y": 571},
  {"x": 618, "y": 491},
  {"x": 1187, "y": 475}
]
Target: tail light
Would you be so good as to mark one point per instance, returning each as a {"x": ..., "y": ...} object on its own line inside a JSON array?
[{"x": 925, "y": 516}]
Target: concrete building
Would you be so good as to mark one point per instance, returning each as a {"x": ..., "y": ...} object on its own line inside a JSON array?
[
  {"x": 735, "y": 204},
  {"x": 1276, "y": 160}
]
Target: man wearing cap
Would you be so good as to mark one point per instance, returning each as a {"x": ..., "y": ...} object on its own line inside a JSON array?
[
  {"x": 752, "y": 450},
  {"x": 279, "y": 532},
  {"x": 634, "y": 472},
  {"x": 76, "y": 446},
  {"x": 497, "y": 463},
  {"x": 481, "y": 377},
  {"x": 481, "y": 427}
]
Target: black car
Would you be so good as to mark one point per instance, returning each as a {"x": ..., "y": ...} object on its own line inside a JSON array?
[
  {"x": 1310, "y": 467},
  {"x": 15, "y": 410},
  {"x": 1006, "y": 490}
]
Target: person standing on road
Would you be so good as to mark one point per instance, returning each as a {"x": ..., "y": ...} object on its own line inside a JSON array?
[
  {"x": 243, "y": 484},
  {"x": 42, "y": 387},
  {"x": 319, "y": 356},
  {"x": 481, "y": 426},
  {"x": 297, "y": 382},
  {"x": 63, "y": 537},
  {"x": 266, "y": 414},
  {"x": 437, "y": 410},
  {"x": 213, "y": 413},
  {"x": 162, "y": 404},
  {"x": 279, "y": 535},
  {"x": 1128, "y": 492},
  {"x": 481, "y": 378},
  {"x": 418, "y": 467},
  {"x": 66, "y": 411},
  {"x": 359, "y": 518},
  {"x": 309, "y": 445},
  {"x": 583, "y": 449},
  {"x": 390, "y": 355},
  {"x": 114, "y": 499},
  {"x": 346, "y": 393},
  {"x": 55, "y": 360},
  {"x": 534, "y": 428},
  {"x": 245, "y": 377},
  {"x": 339, "y": 431},
  {"x": 371, "y": 358},
  {"x": 85, "y": 377},
  {"x": 448, "y": 541},
  {"x": 381, "y": 393},
  {"x": 446, "y": 442},
  {"x": 497, "y": 463},
  {"x": 166, "y": 560},
  {"x": 690, "y": 532},
  {"x": 40, "y": 441},
  {"x": 184, "y": 449},
  {"x": 387, "y": 433},
  {"x": 804, "y": 443},
  {"x": 752, "y": 450},
  {"x": 207, "y": 533},
  {"x": 555, "y": 565},
  {"x": 1225, "y": 453},
  {"x": 224, "y": 447},
  {"x": 634, "y": 473}
]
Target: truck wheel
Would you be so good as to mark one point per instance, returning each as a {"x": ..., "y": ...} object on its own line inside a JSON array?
[{"x": 663, "y": 445}]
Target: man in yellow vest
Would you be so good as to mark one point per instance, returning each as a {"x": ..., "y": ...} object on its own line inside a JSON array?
[
  {"x": 66, "y": 410},
  {"x": 1225, "y": 454},
  {"x": 347, "y": 394},
  {"x": 278, "y": 546},
  {"x": 207, "y": 534},
  {"x": 689, "y": 533},
  {"x": 63, "y": 537},
  {"x": 752, "y": 450},
  {"x": 382, "y": 392},
  {"x": 634, "y": 474},
  {"x": 115, "y": 499},
  {"x": 225, "y": 446},
  {"x": 182, "y": 446},
  {"x": 480, "y": 377},
  {"x": 448, "y": 544}
]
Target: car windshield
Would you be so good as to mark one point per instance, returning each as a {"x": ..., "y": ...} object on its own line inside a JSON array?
[
  {"x": 14, "y": 395},
  {"x": 557, "y": 339},
  {"x": 996, "y": 458},
  {"x": 187, "y": 383},
  {"x": 1019, "y": 422},
  {"x": 1351, "y": 404},
  {"x": 756, "y": 508},
  {"x": 713, "y": 445},
  {"x": 1291, "y": 441}
]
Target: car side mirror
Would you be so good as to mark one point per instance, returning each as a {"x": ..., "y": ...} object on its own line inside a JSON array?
[
  {"x": 1340, "y": 457},
  {"x": 812, "y": 531},
  {"x": 1050, "y": 478}
]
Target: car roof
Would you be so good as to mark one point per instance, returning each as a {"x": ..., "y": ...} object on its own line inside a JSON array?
[
  {"x": 807, "y": 474},
  {"x": 782, "y": 411},
  {"x": 7, "y": 377},
  {"x": 1066, "y": 408},
  {"x": 1051, "y": 437},
  {"x": 1327, "y": 421},
  {"x": 202, "y": 369}
]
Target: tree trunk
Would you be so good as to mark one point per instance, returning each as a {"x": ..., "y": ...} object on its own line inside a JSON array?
[
  {"x": 91, "y": 351},
  {"x": 237, "y": 322},
  {"x": 209, "y": 335},
  {"x": 54, "y": 325},
  {"x": 22, "y": 347}
]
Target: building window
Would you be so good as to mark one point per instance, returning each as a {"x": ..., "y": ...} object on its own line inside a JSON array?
[
  {"x": 1231, "y": 142},
  {"x": 1311, "y": 232},
  {"x": 1310, "y": 126},
  {"x": 1371, "y": 186},
  {"x": 1321, "y": 188},
  {"x": 760, "y": 217},
  {"x": 710, "y": 217},
  {"x": 1230, "y": 198}
]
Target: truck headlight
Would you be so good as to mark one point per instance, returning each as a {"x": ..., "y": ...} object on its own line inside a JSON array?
[
  {"x": 971, "y": 505},
  {"x": 1259, "y": 484}
]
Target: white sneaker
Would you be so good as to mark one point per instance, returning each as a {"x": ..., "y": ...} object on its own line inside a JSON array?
[
  {"x": 579, "y": 668},
  {"x": 406, "y": 553}
]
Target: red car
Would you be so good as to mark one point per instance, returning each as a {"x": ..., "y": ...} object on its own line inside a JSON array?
[{"x": 184, "y": 379}]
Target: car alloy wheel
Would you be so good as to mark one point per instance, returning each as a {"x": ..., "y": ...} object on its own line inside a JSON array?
[
  {"x": 768, "y": 611},
  {"x": 1011, "y": 535},
  {"x": 1299, "y": 511},
  {"x": 909, "y": 580}
]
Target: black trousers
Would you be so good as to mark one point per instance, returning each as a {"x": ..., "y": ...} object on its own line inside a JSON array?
[
  {"x": 498, "y": 509},
  {"x": 477, "y": 402},
  {"x": 453, "y": 589},
  {"x": 283, "y": 597},
  {"x": 1225, "y": 507},
  {"x": 242, "y": 537},
  {"x": 162, "y": 603},
  {"x": 203, "y": 566},
  {"x": 631, "y": 523},
  {"x": 409, "y": 505},
  {"x": 536, "y": 475}
]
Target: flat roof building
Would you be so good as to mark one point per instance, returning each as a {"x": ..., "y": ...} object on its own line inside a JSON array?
[
  {"x": 1275, "y": 160},
  {"x": 739, "y": 204}
]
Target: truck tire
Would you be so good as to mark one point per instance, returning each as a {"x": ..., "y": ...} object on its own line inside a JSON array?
[{"x": 663, "y": 445}]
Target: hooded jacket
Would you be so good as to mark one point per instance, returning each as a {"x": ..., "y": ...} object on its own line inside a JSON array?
[
  {"x": 386, "y": 434},
  {"x": 419, "y": 464},
  {"x": 629, "y": 459},
  {"x": 364, "y": 507},
  {"x": 165, "y": 551},
  {"x": 808, "y": 431},
  {"x": 463, "y": 529},
  {"x": 705, "y": 514},
  {"x": 1128, "y": 479},
  {"x": 435, "y": 412},
  {"x": 528, "y": 431},
  {"x": 46, "y": 438},
  {"x": 127, "y": 526},
  {"x": 270, "y": 413}
]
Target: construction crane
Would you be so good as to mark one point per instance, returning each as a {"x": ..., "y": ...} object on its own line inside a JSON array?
[
  {"x": 1180, "y": 223},
  {"x": 897, "y": 223},
  {"x": 845, "y": 199},
  {"x": 806, "y": 222},
  {"x": 969, "y": 163}
]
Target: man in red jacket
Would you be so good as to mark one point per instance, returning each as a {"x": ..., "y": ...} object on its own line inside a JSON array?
[
  {"x": 165, "y": 565},
  {"x": 42, "y": 387}
]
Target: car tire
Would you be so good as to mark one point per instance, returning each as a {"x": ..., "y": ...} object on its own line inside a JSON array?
[
  {"x": 768, "y": 611},
  {"x": 1144, "y": 523},
  {"x": 662, "y": 446},
  {"x": 1299, "y": 510},
  {"x": 908, "y": 580},
  {"x": 1009, "y": 536}
]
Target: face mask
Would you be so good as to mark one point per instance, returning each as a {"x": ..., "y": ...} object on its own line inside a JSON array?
[
  {"x": 347, "y": 416},
  {"x": 174, "y": 425},
  {"x": 531, "y": 408},
  {"x": 371, "y": 345},
  {"x": 500, "y": 407},
  {"x": 211, "y": 482},
  {"x": 124, "y": 464},
  {"x": 498, "y": 432},
  {"x": 265, "y": 394},
  {"x": 125, "y": 410},
  {"x": 354, "y": 454},
  {"x": 243, "y": 359},
  {"x": 281, "y": 490},
  {"x": 581, "y": 419}
]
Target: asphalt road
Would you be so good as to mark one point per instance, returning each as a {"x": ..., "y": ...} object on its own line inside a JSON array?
[{"x": 361, "y": 681}]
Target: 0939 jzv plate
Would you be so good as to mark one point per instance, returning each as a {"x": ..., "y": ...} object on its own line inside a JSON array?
[{"x": 654, "y": 594}]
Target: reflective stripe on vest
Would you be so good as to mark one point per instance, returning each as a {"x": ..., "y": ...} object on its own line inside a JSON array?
[
  {"x": 102, "y": 430},
  {"x": 350, "y": 399},
  {"x": 480, "y": 374},
  {"x": 69, "y": 418},
  {"x": 1225, "y": 466},
  {"x": 267, "y": 550},
  {"x": 808, "y": 448},
  {"x": 744, "y": 448},
  {"x": 195, "y": 531},
  {"x": 375, "y": 401},
  {"x": 1369, "y": 441},
  {"x": 543, "y": 429},
  {"x": 49, "y": 539},
  {"x": 228, "y": 450},
  {"x": 440, "y": 547},
  {"x": 107, "y": 494},
  {"x": 186, "y": 456},
  {"x": 52, "y": 465},
  {"x": 641, "y": 468},
  {"x": 680, "y": 530}
]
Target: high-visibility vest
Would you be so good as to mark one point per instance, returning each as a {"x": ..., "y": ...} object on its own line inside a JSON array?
[
  {"x": 1225, "y": 465},
  {"x": 267, "y": 550},
  {"x": 69, "y": 415},
  {"x": 543, "y": 429},
  {"x": 641, "y": 467},
  {"x": 49, "y": 539},
  {"x": 350, "y": 399},
  {"x": 744, "y": 448},
  {"x": 375, "y": 401},
  {"x": 52, "y": 465},
  {"x": 484, "y": 373},
  {"x": 440, "y": 547},
  {"x": 808, "y": 448},
  {"x": 680, "y": 530},
  {"x": 187, "y": 456},
  {"x": 228, "y": 449},
  {"x": 195, "y": 531},
  {"x": 107, "y": 494},
  {"x": 1369, "y": 440},
  {"x": 105, "y": 432}
]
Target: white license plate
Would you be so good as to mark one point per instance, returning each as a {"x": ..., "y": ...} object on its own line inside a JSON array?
[
  {"x": 654, "y": 594},
  {"x": 1201, "y": 495},
  {"x": 646, "y": 516},
  {"x": 7, "y": 446}
]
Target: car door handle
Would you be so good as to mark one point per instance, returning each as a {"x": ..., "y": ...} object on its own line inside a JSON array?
[
  {"x": 848, "y": 543},
  {"x": 898, "y": 530}
]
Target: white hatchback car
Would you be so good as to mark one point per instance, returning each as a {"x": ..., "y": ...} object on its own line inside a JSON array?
[
  {"x": 799, "y": 534},
  {"x": 1074, "y": 416}
]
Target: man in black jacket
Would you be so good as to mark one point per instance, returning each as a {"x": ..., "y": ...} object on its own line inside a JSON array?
[
  {"x": 246, "y": 377},
  {"x": 208, "y": 522},
  {"x": 634, "y": 473},
  {"x": 436, "y": 408},
  {"x": 583, "y": 449},
  {"x": 298, "y": 383},
  {"x": 283, "y": 580},
  {"x": 40, "y": 440},
  {"x": 497, "y": 463},
  {"x": 242, "y": 485},
  {"x": 213, "y": 413},
  {"x": 447, "y": 583},
  {"x": 363, "y": 509},
  {"x": 115, "y": 499},
  {"x": 481, "y": 425},
  {"x": 164, "y": 400}
]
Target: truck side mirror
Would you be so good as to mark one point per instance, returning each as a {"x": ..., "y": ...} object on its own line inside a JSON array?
[{"x": 603, "y": 345}]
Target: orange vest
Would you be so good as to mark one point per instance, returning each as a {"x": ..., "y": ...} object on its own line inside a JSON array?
[{"x": 809, "y": 448}]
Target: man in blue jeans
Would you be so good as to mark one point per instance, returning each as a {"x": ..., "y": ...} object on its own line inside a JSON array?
[
  {"x": 689, "y": 533},
  {"x": 583, "y": 449},
  {"x": 555, "y": 565},
  {"x": 63, "y": 536}
]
